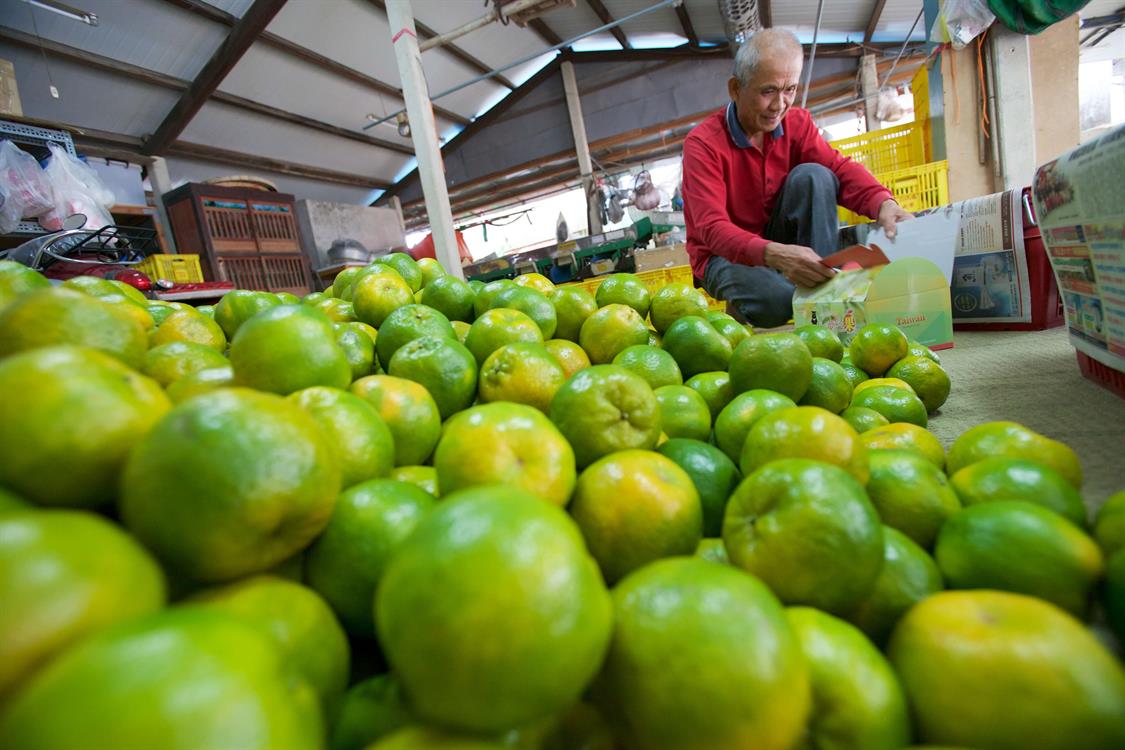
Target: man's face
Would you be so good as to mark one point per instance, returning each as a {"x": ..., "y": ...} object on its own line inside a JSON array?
[{"x": 763, "y": 101}]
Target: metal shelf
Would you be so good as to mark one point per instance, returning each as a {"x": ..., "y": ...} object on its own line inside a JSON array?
[{"x": 30, "y": 135}]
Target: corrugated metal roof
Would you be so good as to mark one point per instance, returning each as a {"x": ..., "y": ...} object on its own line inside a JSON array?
[{"x": 236, "y": 8}]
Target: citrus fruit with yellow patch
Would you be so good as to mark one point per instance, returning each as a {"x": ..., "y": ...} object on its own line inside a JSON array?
[
  {"x": 376, "y": 296},
  {"x": 1012, "y": 545},
  {"x": 372, "y": 709},
  {"x": 460, "y": 329},
  {"x": 505, "y": 444},
  {"x": 288, "y": 298},
  {"x": 804, "y": 432},
  {"x": 521, "y": 648},
  {"x": 896, "y": 404},
  {"x": 863, "y": 419},
  {"x": 71, "y": 417},
  {"x": 200, "y": 381},
  {"x": 737, "y": 418},
  {"x": 821, "y": 341},
  {"x": 408, "y": 410},
  {"x": 904, "y": 436},
  {"x": 312, "y": 298},
  {"x": 167, "y": 363},
  {"x": 210, "y": 680},
  {"x": 287, "y": 348},
  {"x": 497, "y": 327},
  {"x": 714, "y": 387},
  {"x": 908, "y": 576},
  {"x": 485, "y": 294},
  {"x": 859, "y": 702},
  {"x": 337, "y": 310},
  {"x": 714, "y": 475},
  {"x": 361, "y": 437},
  {"x": 133, "y": 309},
  {"x": 531, "y": 303},
  {"x": 925, "y": 377},
  {"x": 95, "y": 286},
  {"x": 238, "y": 306},
  {"x": 202, "y": 489},
  {"x": 731, "y": 329},
  {"x": 877, "y": 346},
  {"x": 55, "y": 316},
  {"x": 298, "y": 622},
  {"x": 911, "y": 494},
  {"x": 358, "y": 347},
  {"x": 63, "y": 576},
  {"x": 189, "y": 326},
  {"x": 345, "y": 562},
  {"x": 877, "y": 382},
  {"x": 431, "y": 270},
  {"x": 570, "y": 356},
  {"x": 774, "y": 361},
  {"x": 915, "y": 349},
  {"x": 712, "y": 550},
  {"x": 159, "y": 312},
  {"x": 806, "y": 529},
  {"x": 1109, "y": 524},
  {"x": 624, "y": 289},
  {"x": 606, "y": 408},
  {"x": 523, "y": 374},
  {"x": 967, "y": 657},
  {"x": 344, "y": 281},
  {"x": 610, "y": 331},
  {"x": 1019, "y": 479},
  {"x": 680, "y": 675},
  {"x": 16, "y": 278},
  {"x": 536, "y": 281},
  {"x": 208, "y": 310},
  {"x": 654, "y": 338},
  {"x": 407, "y": 268},
  {"x": 829, "y": 388},
  {"x": 696, "y": 346},
  {"x": 655, "y": 365},
  {"x": 572, "y": 306},
  {"x": 422, "y": 477},
  {"x": 443, "y": 366},
  {"x": 674, "y": 301},
  {"x": 683, "y": 412},
  {"x": 1013, "y": 440},
  {"x": 130, "y": 291},
  {"x": 406, "y": 324},
  {"x": 450, "y": 296},
  {"x": 855, "y": 375},
  {"x": 635, "y": 507}
]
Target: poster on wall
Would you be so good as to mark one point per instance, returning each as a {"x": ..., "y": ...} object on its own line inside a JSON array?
[{"x": 1080, "y": 202}]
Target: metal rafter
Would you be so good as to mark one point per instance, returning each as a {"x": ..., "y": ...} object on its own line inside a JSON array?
[
  {"x": 873, "y": 21},
  {"x": 606, "y": 17},
  {"x": 685, "y": 23},
  {"x": 765, "y": 14},
  {"x": 544, "y": 32},
  {"x": 242, "y": 35},
  {"x": 425, "y": 32}
]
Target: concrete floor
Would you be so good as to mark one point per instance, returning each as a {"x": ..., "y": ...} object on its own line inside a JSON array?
[{"x": 1033, "y": 378}]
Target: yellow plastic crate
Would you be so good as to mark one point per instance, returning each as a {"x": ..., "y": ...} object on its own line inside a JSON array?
[
  {"x": 920, "y": 89},
  {"x": 886, "y": 150},
  {"x": 915, "y": 189},
  {"x": 181, "y": 269}
]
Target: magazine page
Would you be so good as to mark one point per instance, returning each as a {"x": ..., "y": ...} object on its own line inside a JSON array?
[{"x": 990, "y": 277}]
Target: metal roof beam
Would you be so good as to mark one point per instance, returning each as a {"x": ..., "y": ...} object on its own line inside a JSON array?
[
  {"x": 242, "y": 35},
  {"x": 686, "y": 25},
  {"x": 873, "y": 21},
  {"x": 606, "y": 17},
  {"x": 765, "y": 14},
  {"x": 540, "y": 27}
]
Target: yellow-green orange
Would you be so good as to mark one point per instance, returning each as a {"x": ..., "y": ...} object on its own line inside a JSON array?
[
  {"x": 1013, "y": 440},
  {"x": 16, "y": 278},
  {"x": 683, "y": 412},
  {"x": 610, "y": 331},
  {"x": 570, "y": 356},
  {"x": 711, "y": 471},
  {"x": 202, "y": 489},
  {"x": 624, "y": 289},
  {"x": 911, "y": 494},
  {"x": 715, "y": 389},
  {"x": 375, "y": 296},
  {"x": 804, "y": 432},
  {"x": 201, "y": 381},
  {"x": 358, "y": 347},
  {"x": 499, "y": 326},
  {"x": 406, "y": 324},
  {"x": 523, "y": 647},
  {"x": 572, "y": 306},
  {"x": 678, "y": 677},
  {"x": 287, "y": 348},
  {"x": 807, "y": 530},
  {"x": 1109, "y": 524},
  {"x": 407, "y": 267},
  {"x": 821, "y": 341},
  {"x": 968, "y": 657},
  {"x": 896, "y": 404},
  {"x": 737, "y": 418},
  {"x": 606, "y": 408},
  {"x": 443, "y": 366},
  {"x": 906, "y": 437},
  {"x": 238, "y": 306},
  {"x": 372, "y": 709},
  {"x": 829, "y": 388},
  {"x": 863, "y": 419},
  {"x": 189, "y": 326},
  {"x": 774, "y": 361},
  {"x": 1019, "y": 479},
  {"x": 855, "y": 375},
  {"x": 422, "y": 477},
  {"x": 634, "y": 507},
  {"x": 652, "y": 363},
  {"x": 926, "y": 377},
  {"x": 674, "y": 301},
  {"x": 167, "y": 363},
  {"x": 485, "y": 294},
  {"x": 532, "y": 303},
  {"x": 696, "y": 346},
  {"x": 337, "y": 310},
  {"x": 451, "y": 296},
  {"x": 71, "y": 416},
  {"x": 536, "y": 281},
  {"x": 521, "y": 373},
  {"x": 408, "y": 410},
  {"x": 876, "y": 347},
  {"x": 731, "y": 329},
  {"x": 431, "y": 270},
  {"x": 361, "y": 437}
]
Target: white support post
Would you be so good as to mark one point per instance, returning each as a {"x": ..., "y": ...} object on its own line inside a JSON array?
[
  {"x": 581, "y": 146},
  {"x": 423, "y": 132},
  {"x": 161, "y": 183},
  {"x": 869, "y": 82},
  {"x": 1015, "y": 110}
]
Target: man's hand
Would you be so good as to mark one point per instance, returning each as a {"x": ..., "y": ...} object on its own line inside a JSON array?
[
  {"x": 801, "y": 265},
  {"x": 890, "y": 213}
]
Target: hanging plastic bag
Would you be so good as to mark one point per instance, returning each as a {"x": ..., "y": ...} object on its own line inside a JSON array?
[
  {"x": 9, "y": 216},
  {"x": 645, "y": 195},
  {"x": 70, "y": 202},
  {"x": 28, "y": 189},
  {"x": 69, "y": 173},
  {"x": 964, "y": 21},
  {"x": 562, "y": 231}
]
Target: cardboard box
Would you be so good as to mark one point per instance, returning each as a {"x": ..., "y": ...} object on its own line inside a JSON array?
[
  {"x": 9, "y": 93},
  {"x": 661, "y": 257},
  {"x": 911, "y": 293}
]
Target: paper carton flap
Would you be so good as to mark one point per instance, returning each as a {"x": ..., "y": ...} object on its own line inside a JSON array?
[
  {"x": 861, "y": 255},
  {"x": 907, "y": 276}
]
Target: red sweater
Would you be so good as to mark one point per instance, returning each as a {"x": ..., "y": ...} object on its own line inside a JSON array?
[{"x": 729, "y": 190}]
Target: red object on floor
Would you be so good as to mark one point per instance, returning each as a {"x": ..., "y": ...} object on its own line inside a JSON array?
[
  {"x": 1046, "y": 302},
  {"x": 425, "y": 248},
  {"x": 1105, "y": 376}
]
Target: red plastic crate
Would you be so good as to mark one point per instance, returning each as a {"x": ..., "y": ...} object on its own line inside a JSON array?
[{"x": 1105, "y": 376}]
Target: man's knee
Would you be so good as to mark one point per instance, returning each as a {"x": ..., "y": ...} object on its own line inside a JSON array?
[{"x": 813, "y": 177}]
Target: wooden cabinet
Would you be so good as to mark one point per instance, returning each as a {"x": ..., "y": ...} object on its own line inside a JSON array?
[{"x": 248, "y": 237}]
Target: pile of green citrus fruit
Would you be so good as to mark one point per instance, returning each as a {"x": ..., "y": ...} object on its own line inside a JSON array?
[{"x": 415, "y": 512}]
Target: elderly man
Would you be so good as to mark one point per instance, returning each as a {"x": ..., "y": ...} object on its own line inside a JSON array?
[{"x": 760, "y": 188}]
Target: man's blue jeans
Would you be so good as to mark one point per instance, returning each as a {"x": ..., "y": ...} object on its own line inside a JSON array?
[{"x": 805, "y": 214}]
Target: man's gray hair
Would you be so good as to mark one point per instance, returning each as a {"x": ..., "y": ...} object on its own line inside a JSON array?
[{"x": 763, "y": 42}]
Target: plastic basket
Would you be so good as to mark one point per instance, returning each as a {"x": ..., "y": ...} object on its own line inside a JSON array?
[
  {"x": 886, "y": 150},
  {"x": 1105, "y": 376},
  {"x": 915, "y": 189},
  {"x": 181, "y": 269}
]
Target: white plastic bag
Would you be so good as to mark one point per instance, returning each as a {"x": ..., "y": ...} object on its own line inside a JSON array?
[
  {"x": 645, "y": 195},
  {"x": 9, "y": 217},
  {"x": 70, "y": 202},
  {"x": 78, "y": 190},
  {"x": 28, "y": 189},
  {"x": 965, "y": 20}
]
